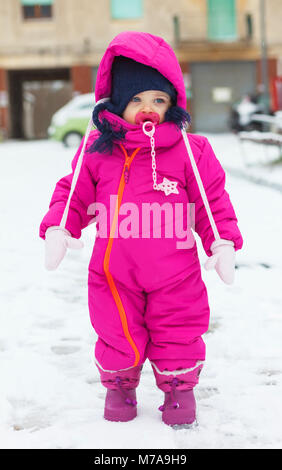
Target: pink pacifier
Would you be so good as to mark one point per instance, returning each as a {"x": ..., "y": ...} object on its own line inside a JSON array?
[{"x": 142, "y": 117}]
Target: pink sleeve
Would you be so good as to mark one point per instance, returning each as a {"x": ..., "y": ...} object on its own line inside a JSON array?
[
  {"x": 213, "y": 178},
  {"x": 82, "y": 198}
]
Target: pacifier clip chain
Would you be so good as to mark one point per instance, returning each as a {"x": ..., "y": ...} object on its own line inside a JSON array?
[
  {"x": 166, "y": 186},
  {"x": 154, "y": 166}
]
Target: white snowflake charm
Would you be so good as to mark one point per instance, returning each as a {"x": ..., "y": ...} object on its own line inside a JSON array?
[{"x": 168, "y": 187}]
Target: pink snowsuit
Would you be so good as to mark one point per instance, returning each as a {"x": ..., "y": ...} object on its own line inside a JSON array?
[{"x": 147, "y": 298}]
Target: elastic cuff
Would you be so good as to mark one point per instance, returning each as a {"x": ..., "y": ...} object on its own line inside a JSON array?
[
  {"x": 221, "y": 242},
  {"x": 57, "y": 227},
  {"x": 188, "y": 378},
  {"x": 130, "y": 377},
  {"x": 178, "y": 371}
]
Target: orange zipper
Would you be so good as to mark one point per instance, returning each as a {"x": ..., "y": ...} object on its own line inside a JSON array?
[
  {"x": 128, "y": 161},
  {"x": 113, "y": 288}
]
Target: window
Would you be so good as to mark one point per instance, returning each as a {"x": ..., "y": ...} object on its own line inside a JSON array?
[
  {"x": 221, "y": 20},
  {"x": 126, "y": 9},
  {"x": 34, "y": 9}
]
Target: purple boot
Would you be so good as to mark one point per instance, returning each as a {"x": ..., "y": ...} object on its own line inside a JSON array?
[
  {"x": 120, "y": 403},
  {"x": 179, "y": 408}
]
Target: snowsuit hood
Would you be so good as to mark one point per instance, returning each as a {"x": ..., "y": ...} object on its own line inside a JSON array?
[
  {"x": 144, "y": 48},
  {"x": 150, "y": 51}
]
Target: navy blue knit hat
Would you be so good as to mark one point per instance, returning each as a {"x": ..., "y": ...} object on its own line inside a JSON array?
[{"x": 128, "y": 79}]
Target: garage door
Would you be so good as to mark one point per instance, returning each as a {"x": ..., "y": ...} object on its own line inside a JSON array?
[{"x": 215, "y": 86}]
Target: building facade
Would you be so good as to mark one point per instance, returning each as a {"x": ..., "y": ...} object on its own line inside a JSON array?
[{"x": 51, "y": 49}]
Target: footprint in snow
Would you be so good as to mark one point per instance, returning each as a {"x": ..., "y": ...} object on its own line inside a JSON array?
[
  {"x": 253, "y": 265},
  {"x": 206, "y": 392},
  {"x": 61, "y": 350},
  {"x": 269, "y": 373}
]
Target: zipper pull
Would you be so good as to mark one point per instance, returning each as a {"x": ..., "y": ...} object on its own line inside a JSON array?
[{"x": 126, "y": 174}]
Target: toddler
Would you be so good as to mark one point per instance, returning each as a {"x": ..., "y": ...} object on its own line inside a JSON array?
[{"x": 147, "y": 299}]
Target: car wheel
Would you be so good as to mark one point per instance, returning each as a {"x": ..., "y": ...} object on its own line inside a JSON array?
[{"x": 72, "y": 139}]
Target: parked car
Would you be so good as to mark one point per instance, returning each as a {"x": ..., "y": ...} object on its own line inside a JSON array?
[{"x": 69, "y": 123}]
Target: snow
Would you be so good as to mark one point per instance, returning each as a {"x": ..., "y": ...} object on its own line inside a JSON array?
[
  {"x": 253, "y": 161},
  {"x": 50, "y": 395}
]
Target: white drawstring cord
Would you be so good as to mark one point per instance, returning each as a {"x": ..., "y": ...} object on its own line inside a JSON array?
[
  {"x": 78, "y": 167},
  {"x": 200, "y": 185},
  {"x": 75, "y": 175}
]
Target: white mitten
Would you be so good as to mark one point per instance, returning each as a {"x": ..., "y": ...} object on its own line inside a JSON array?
[
  {"x": 57, "y": 240},
  {"x": 223, "y": 260}
]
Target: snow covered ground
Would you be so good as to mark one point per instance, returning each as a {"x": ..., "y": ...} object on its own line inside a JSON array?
[{"x": 50, "y": 395}]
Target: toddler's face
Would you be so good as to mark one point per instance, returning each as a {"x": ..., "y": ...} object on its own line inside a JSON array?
[{"x": 151, "y": 101}]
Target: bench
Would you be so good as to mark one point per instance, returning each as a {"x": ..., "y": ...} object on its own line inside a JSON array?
[{"x": 265, "y": 139}]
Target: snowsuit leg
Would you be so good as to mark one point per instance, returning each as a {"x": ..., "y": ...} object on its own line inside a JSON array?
[
  {"x": 177, "y": 315},
  {"x": 166, "y": 325},
  {"x": 122, "y": 339}
]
